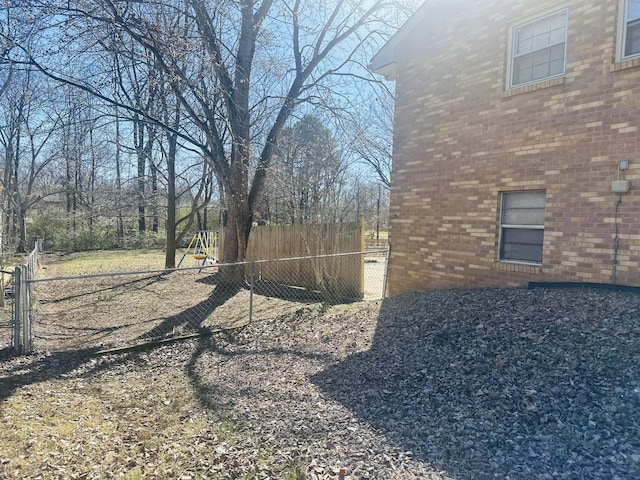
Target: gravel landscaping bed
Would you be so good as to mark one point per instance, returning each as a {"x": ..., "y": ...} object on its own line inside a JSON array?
[{"x": 456, "y": 384}]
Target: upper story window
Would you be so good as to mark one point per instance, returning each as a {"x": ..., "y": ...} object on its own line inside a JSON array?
[
  {"x": 631, "y": 28},
  {"x": 538, "y": 48}
]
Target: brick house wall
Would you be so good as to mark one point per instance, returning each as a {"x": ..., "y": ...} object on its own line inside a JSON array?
[{"x": 462, "y": 137}]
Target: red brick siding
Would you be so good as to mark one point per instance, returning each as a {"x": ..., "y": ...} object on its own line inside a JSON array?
[{"x": 461, "y": 139}]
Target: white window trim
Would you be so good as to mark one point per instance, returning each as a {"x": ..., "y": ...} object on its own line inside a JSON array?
[
  {"x": 521, "y": 22},
  {"x": 622, "y": 33},
  {"x": 501, "y": 226}
]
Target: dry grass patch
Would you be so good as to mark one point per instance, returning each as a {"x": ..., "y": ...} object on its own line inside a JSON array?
[{"x": 104, "y": 261}]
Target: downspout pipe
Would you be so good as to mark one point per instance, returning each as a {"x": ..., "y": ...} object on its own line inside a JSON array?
[
  {"x": 614, "y": 269},
  {"x": 616, "y": 246}
]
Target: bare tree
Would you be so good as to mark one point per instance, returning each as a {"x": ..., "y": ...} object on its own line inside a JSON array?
[
  {"x": 232, "y": 54},
  {"x": 138, "y": 81},
  {"x": 372, "y": 141},
  {"x": 264, "y": 59},
  {"x": 309, "y": 172},
  {"x": 28, "y": 127}
]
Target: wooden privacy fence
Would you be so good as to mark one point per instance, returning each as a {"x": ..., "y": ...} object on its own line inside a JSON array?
[
  {"x": 337, "y": 277},
  {"x": 286, "y": 241}
]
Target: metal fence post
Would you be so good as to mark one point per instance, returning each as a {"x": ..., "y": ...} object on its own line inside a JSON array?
[
  {"x": 386, "y": 272},
  {"x": 22, "y": 309},
  {"x": 17, "y": 310},
  {"x": 26, "y": 306},
  {"x": 251, "y": 281}
]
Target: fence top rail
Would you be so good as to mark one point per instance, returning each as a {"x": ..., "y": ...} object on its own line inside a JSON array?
[
  {"x": 117, "y": 274},
  {"x": 311, "y": 257},
  {"x": 202, "y": 267}
]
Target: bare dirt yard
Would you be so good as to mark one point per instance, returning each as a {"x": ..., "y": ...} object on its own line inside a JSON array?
[{"x": 456, "y": 384}]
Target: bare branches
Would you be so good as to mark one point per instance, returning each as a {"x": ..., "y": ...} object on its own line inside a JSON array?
[{"x": 238, "y": 69}]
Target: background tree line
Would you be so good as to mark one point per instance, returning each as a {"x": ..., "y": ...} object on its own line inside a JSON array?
[{"x": 129, "y": 122}]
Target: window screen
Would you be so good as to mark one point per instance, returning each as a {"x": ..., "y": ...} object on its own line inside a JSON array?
[{"x": 522, "y": 226}]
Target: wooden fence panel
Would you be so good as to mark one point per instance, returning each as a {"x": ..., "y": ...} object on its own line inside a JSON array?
[{"x": 338, "y": 277}]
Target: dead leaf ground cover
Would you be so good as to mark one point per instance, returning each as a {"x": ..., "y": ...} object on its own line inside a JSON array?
[
  {"x": 457, "y": 384},
  {"x": 124, "y": 309}
]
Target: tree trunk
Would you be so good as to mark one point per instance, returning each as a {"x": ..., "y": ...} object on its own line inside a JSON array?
[
  {"x": 22, "y": 226},
  {"x": 7, "y": 193},
  {"x": 92, "y": 184},
  {"x": 236, "y": 236},
  {"x": 119, "y": 219},
  {"x": 170, "y": 254},
  {"x": 154, "y": 198},
  {"x": 138, "y": 139},
  {"x": 77, "y": 186}
]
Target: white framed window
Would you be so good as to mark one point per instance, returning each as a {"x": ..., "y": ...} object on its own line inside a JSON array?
[
  {"x": 522, "y": 226},
  {"x": 538, "y": 49},
  {"x": 630, "y": 29}
]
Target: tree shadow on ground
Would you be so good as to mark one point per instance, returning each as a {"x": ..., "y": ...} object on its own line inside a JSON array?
[
  {"x": 281, "y": 291},
  {"x": 217, "y": 396},
  {"x": 42, "y": 366},
  {"x": 214, "y": 278},
  {"x": 192, "y": 318},
  {"x": 139, "y": 283},
  {"x": 488, "y": 384},
  {"x": 39, "y": 368}
]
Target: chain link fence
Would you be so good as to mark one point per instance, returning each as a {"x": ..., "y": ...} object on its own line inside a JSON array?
[
  {"x": 16, "y": 312},
  {"x": 6, "y": 311},
  {"x": 115, "y": 310}
]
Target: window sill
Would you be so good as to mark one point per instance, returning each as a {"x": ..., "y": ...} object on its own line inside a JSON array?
[
  {"x": 624, "y": 64},
  {"x": 530, "y": 87},
  {"x": 528, "y": 268}
]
